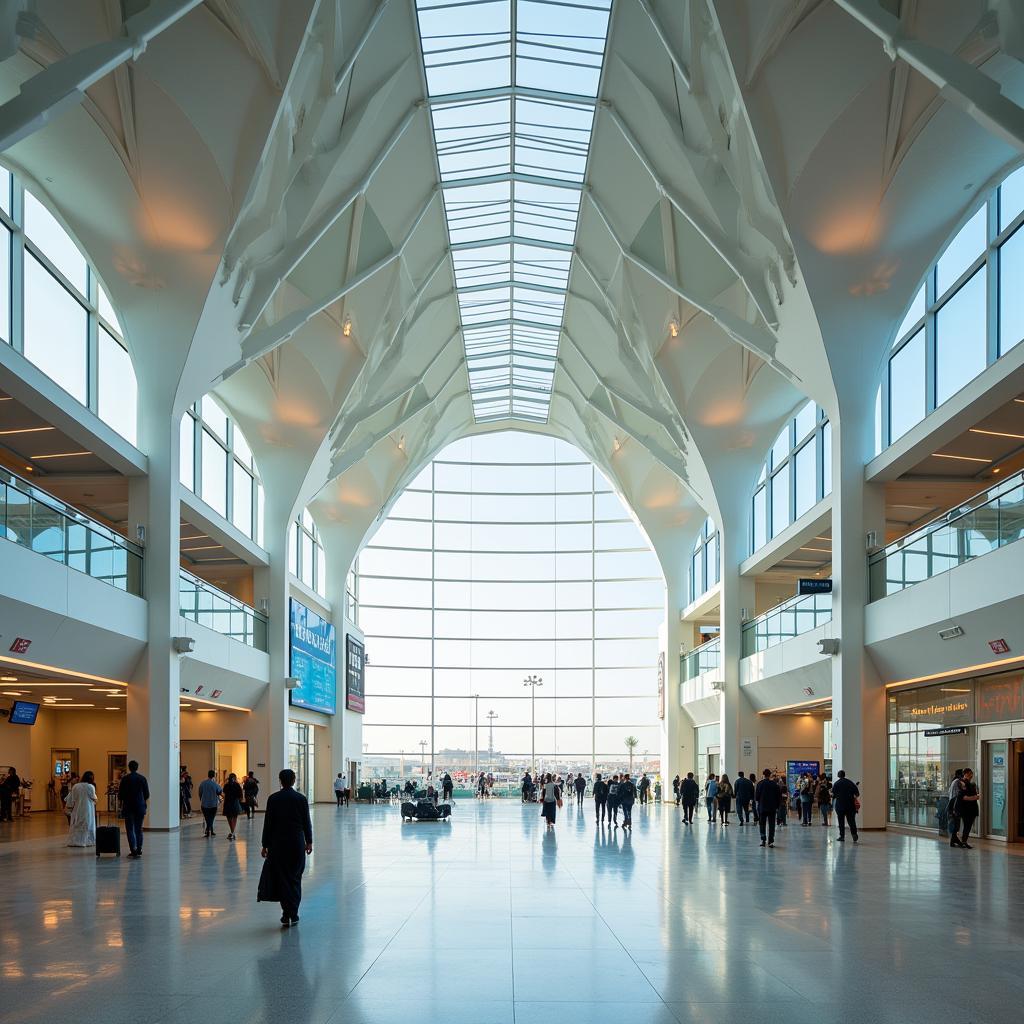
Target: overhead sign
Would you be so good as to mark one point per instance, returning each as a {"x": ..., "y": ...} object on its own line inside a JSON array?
[
  {"x": 953, "y": 730},
  {"x": 312, "y": 660},
  {"x": 661, "y": 684},
  {"x": 21, "y": 645},
  {"x": 999, "y": 646},
  {"x": 355, "y": 674},
  {"x": 999, "y": 698},
  {"x": 814, "y": 586}
]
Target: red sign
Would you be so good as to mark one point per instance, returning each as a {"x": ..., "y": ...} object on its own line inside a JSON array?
[
  {"x": 999, "y": 646},
  {"x": 216, "y": 693},
  {"x": 21, "y": 645}
]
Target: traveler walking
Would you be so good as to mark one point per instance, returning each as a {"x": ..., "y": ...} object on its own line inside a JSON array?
[
  {"x": 600, "y": 799},
  {"x": 550, "y": 796},
  {"x": 767, "y": 797},
  {"x": 783, "y": 785},
  {"x": 339, "y": 789},
  {"x": 82, "y": 806},
  {"x": 133, "y": 792},
  {"x": 967, "y": 809},
  {"x": 744, "y": 790},
  {"x": 823, "y": 796},
  {"x": 251, "y": 791},
  {"x": 185, "y": 793},
  {"x": 724, "y": 799},
  {"x": 644, "y": 788},
  {"x": 675, "y": 789},
  {"x": 287, "y": 841},
  {"x": 689, "y": 791},
  {"x": 846, "y": 800},
  {"x": 581, "y": 789},
  {"x": 447, "y": 787},
  {"x": 232, "y": 803},
  {"x": 806, "y": 800},
  {"x": 711, "y": 797},
  {"x": 956, "y": 788},
  {"x": 613, "y": 801},
  {"x": 10, "y": 786},
  {"x": 627, "y": 797},
  {"x": 526, "y": 787},
  {"x": 209, "y": 797}
]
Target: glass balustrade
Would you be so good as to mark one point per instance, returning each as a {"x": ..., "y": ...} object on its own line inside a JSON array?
[
  {"x": 783, "y": 622},
  {"x": 989, "y": 520},
  {"x": 35, "y": 520},
  {"x": 701, "y": 659},
  {"x": 210, "y": 607}
]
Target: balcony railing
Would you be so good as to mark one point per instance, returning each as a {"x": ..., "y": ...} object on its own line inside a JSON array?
[
  {"x": 989, "y": 520},
  {"x": 701, "y": 659},
  {"x": 203, "y": 603},
  {"x": 38, "y": 521},
  {"x": 783, "y": 622}
]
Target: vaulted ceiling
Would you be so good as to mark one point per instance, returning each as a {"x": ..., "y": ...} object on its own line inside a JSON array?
[{"x": 258, "y": 183}]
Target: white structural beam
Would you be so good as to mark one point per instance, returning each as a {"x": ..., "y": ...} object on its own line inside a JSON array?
[
  {"x": 961, "y": 83},
  {"x": 346, "y": 69},
  {"x": 261, "y": 342},
  {"x": 681, "y": 69},
  {"x": 760, "y": 340},
  {"x": 739, "y": 262},
  {"x": 63, "y": 83}
]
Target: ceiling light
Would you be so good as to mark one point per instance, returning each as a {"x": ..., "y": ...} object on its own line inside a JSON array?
[
  {"x": 617, "y": 444},
  {"x": 346, "y": 329},
  {"x": 58, "y": 455},
  {"x": 112, "y": 709},
  {"x": 673, "y": 327},
  {"x": 8, "y": 679},
  {"x": 995, "y": 433},
  {"x": 25, "y": 430},
  {"x": 13, "y": 693},
  {"x": 962, "y": 458}
]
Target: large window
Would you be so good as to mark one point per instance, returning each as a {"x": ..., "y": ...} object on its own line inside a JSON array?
[
  {"x": 306, "y": 558},
  {"x": 59, "y": 317},
  {"x": 510, "y": 557},
  {"x": 705, "y": 565},
  {"x": 968, "y": 312},
  {"x": 216, "y": 463},
  {"x": 795, "y": 477}
]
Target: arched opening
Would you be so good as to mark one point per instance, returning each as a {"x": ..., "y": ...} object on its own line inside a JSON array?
[{"x": 509, "y": 560}]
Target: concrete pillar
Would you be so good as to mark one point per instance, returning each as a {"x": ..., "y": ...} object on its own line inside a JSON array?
[
  {"x": 738, "y": 721},
  {"x": 858, "y": 697},
  {"x": 152, "y": 703},
  {"x": 676, "y": 726},
  {"x": 271, "y": 583}
]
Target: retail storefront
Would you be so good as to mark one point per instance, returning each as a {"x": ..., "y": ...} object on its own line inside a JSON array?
[{"x": 975, "y": 723}]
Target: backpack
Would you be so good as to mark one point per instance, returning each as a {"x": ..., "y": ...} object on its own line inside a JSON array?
[{"x": 613, "y": 790}]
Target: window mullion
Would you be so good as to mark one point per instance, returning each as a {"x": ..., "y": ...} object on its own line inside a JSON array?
[
  {"x": 992, "y": 282},
  {"x": 929, "y": 344},
  {"x": 18, "y": 267},
  {"x": 92, "y": 348}
]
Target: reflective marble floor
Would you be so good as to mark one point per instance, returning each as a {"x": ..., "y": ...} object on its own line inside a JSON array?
[{"x": 490, "y": 921}]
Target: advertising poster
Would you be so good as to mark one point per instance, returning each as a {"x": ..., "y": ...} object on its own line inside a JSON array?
[
  {"x": 313, "y": 660},
  {"x": 355, "y": 674}
]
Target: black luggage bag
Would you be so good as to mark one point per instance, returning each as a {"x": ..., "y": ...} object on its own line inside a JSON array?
[{"x": 108, "y": 840}]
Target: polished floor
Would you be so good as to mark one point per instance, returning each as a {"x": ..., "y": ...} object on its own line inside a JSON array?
[{"x": 490, "y": 921}]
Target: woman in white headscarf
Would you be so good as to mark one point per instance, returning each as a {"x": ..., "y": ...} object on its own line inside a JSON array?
[{"x": 81, "y": 805}]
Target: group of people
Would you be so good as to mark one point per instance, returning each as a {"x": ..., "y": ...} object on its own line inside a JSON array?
[
  {"x": 768, "y": 802},
  {"x": 611, "y": 796},
  {"x": 962, "y": 809}
]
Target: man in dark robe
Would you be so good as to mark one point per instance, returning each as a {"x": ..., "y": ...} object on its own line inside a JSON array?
[{"x": 287, "y": 839}]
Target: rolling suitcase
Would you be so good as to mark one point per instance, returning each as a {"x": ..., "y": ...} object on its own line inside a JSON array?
[{"x": 108, "y": 840}]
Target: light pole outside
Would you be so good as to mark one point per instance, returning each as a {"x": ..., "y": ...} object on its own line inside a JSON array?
[
  {"x": 476, "y": 736},
  {"x": 491, "y": 716},
  {"x": 423, "y": 757},
  {"x": 533, "y": 681}
]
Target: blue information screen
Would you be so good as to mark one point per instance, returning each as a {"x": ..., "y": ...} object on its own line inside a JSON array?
[
  {"x": 794, "y": 769},
  {"x": 313, "y": 660},
  {"x": 23, "y": 712}
]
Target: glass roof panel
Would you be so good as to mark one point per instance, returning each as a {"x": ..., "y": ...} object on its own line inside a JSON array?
[{"x": 512, "y": 87}]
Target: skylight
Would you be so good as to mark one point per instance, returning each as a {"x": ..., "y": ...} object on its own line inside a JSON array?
[{"x": 512, "y": 87}]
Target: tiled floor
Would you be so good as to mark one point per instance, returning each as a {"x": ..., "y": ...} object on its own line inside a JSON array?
[{"x": 490, "y": 921}]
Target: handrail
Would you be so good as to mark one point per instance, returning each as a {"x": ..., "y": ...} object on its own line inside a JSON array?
[
  {"x": 701, "y": 659},
  {"x": 793, "y": 617},
  {"x": 989, "y": 520},
  {"x": 34, "y": 519},
  {"x": 212, "y": 607}
]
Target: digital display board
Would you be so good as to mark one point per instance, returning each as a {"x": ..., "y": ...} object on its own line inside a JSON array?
[
  {"x": 23, "y": 712},
  {"x": 355, "y": 674},
  {"x": 313, "y": 660}
]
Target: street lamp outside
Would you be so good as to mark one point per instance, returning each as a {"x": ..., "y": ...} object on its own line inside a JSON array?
[{"x": 533, "y": 681}]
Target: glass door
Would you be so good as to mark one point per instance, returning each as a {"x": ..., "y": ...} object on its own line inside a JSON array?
[{"x": 996, "y": 783}]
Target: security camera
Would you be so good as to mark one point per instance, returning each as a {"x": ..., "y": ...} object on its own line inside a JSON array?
[
  {"x": 828, "y": 645},
  {"x": 183, "y": 644}
]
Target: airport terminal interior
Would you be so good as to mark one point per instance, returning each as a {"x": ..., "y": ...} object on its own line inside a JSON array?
[{"x": 573, "y": 447}]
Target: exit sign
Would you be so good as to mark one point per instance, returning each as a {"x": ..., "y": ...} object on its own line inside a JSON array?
[
  {"x": 999, "y": 646},
  {"x": 21, "y": 645}
]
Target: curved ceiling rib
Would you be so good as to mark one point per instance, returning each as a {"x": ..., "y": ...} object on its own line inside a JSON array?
[{"x": 512, "y": 90}]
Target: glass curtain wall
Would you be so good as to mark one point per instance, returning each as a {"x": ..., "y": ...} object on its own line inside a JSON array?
[
  {"x": 509, "y": 557},
  {"x": 968, "y": 312}
]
